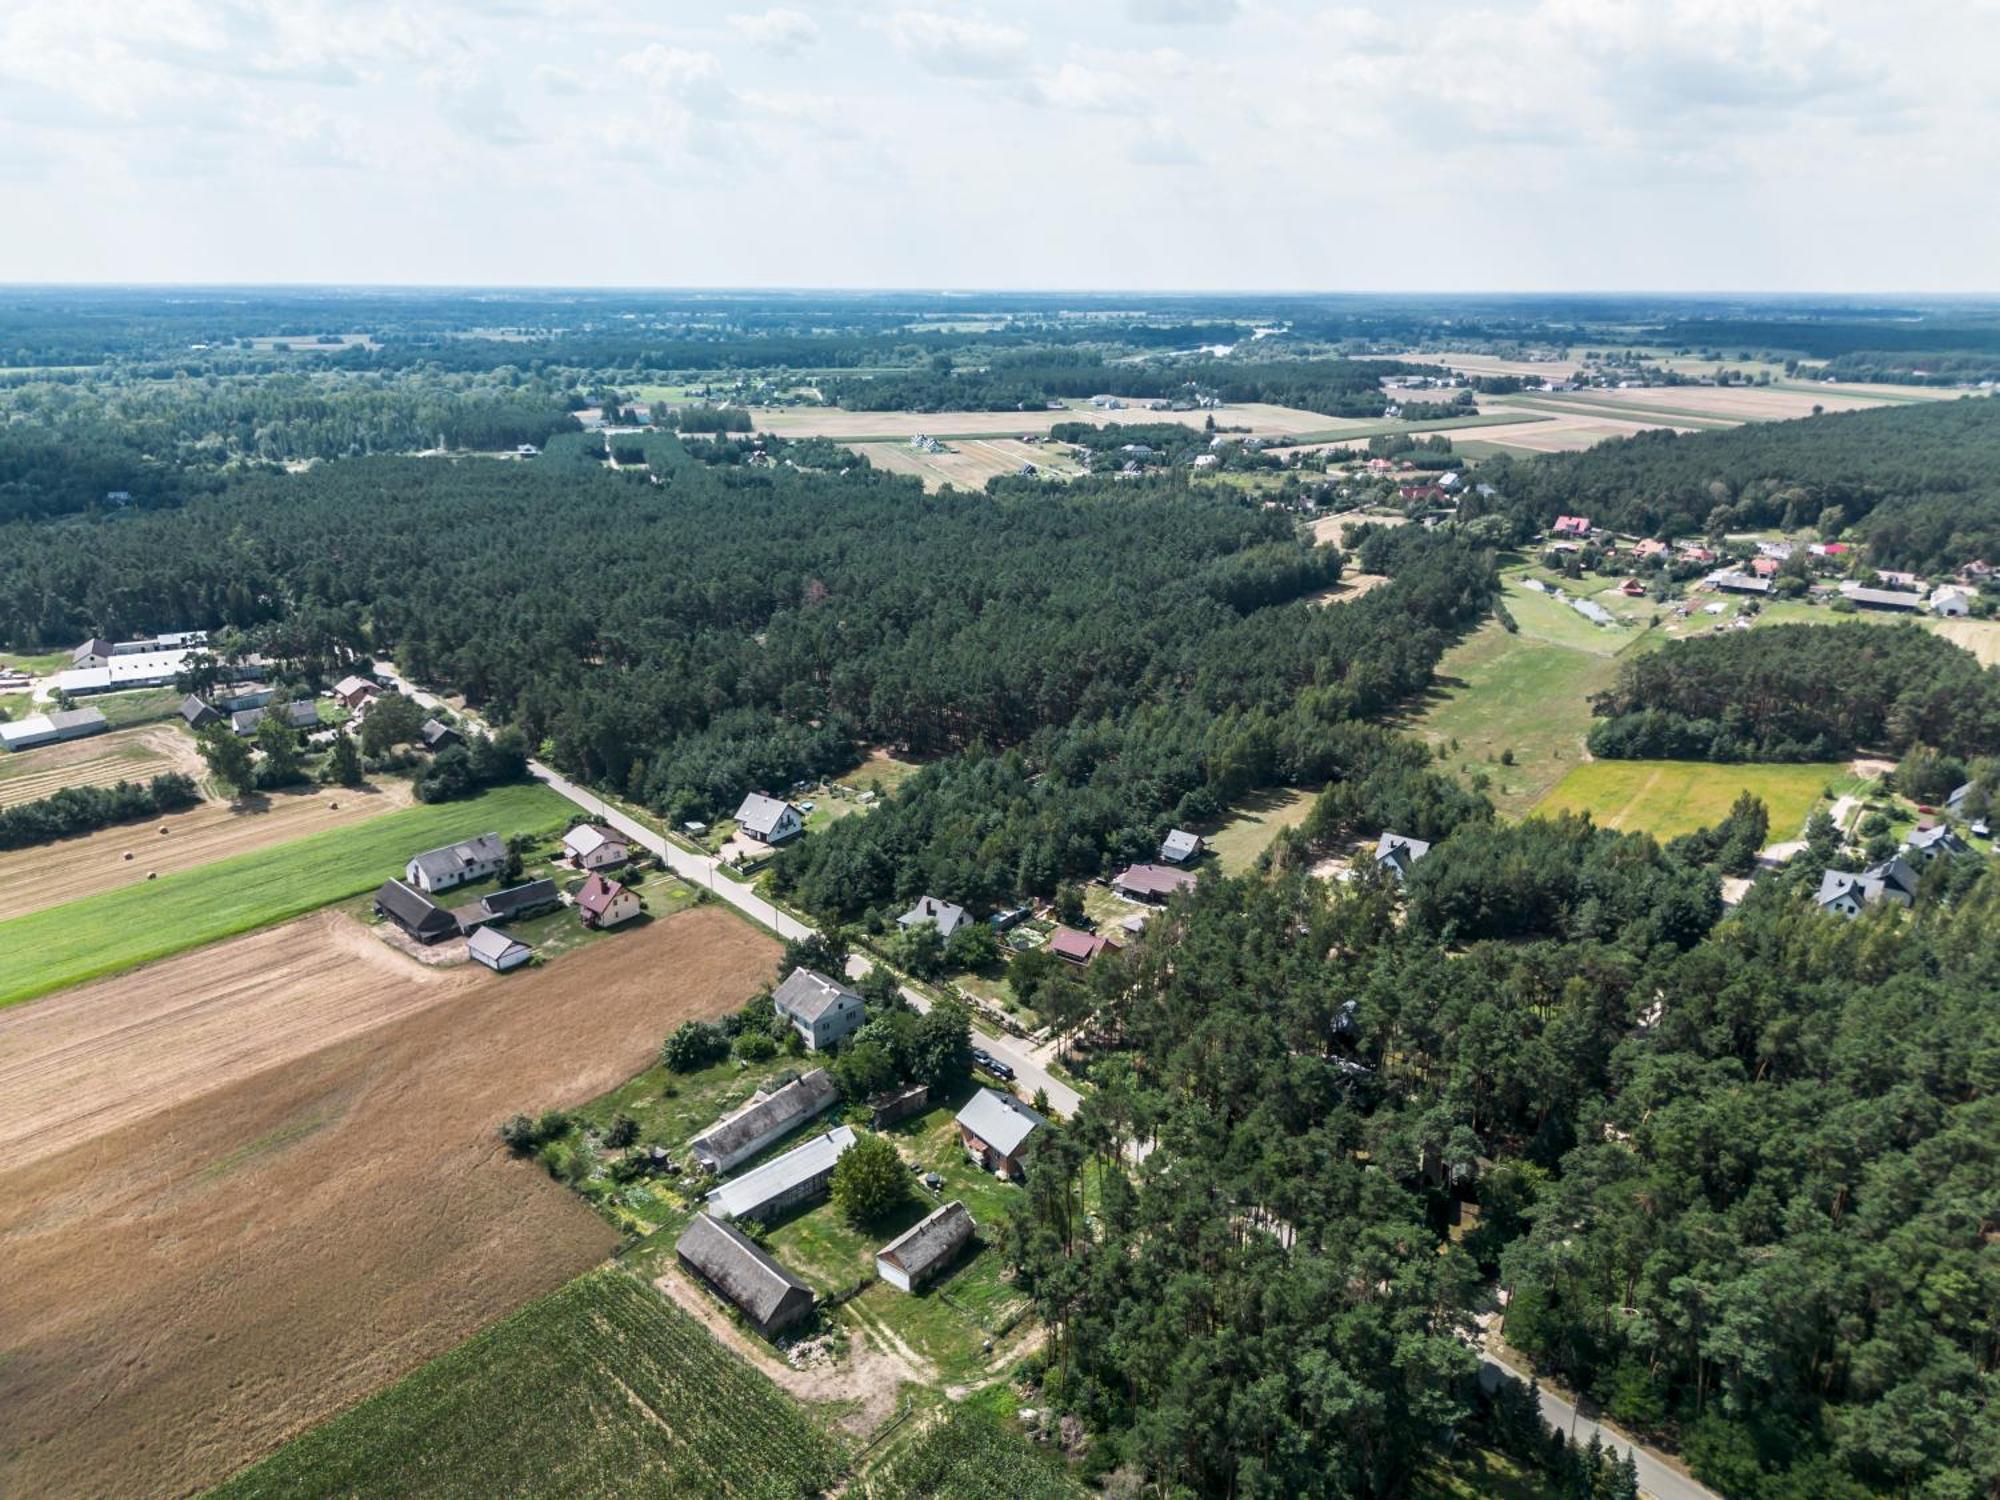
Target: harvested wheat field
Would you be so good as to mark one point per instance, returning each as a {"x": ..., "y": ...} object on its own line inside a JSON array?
[
  {"x": 845, "y": 426},
  {"x": 51, "y": 874},
  {"x": 296, "y": 1220},
  {"x": 122, "y": 755},
  {"x": 1560, "y": 433},
  {"x": 970, "y": 462}
]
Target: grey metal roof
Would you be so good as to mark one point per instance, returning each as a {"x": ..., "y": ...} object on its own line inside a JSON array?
[
  {"x": 754, "y": 1189},
  {"x": 1000, "y": 1120},
  {"x": 500, "y": 905},
  {"x": 491, "y": 943},
  {"x": 1941, "y": 835},
  {"x": 435, "y": 730},
  {"x": 413, "y": 908},
  {"x": 75, "y": 718},
  {"x": 931, "y": 1241},
  {"x": 1885, "y": 598},
  {"x": 943, "y": 915},
  {"x": 806, "y": 994},
  {"x": 765, "y": 1117},
  {"x": 1151, "y": 880},
  {"x": 739, "y": 1270},
  {"x": 1179, "y": 844},
  {"x": 449, "y": 860},
  {"x": 760, "y": 814},
  {"x": 1399, "y": 850}
]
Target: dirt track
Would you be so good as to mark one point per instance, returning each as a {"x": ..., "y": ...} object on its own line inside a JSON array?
[
  {"x": 306, "y": 1217},
  {"x": 50, "y": 874}
]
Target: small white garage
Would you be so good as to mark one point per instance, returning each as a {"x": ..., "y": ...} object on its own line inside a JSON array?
[{"x": 492, "y": 947}]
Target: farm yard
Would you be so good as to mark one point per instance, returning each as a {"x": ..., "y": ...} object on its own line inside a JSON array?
[
  {"x": 188, "y": 1290},
  {"x": 71, "y": 869},
  {"x": 1667, "y": 798},
  {"x": 970, "y": 462},
  {"x": 119, "y": 929},
  {"x": 101, "y": 760},
  {"x": 630, "y": 1396}
]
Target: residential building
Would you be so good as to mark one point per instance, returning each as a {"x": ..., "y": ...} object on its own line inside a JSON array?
[
  {"x": 931, "y": 912},
  {"x": 768, "y": 1295},
  {"x": 1577, "y": 527},
  {"x": 823, "y": 1011},
  {"x": 510, "y": 905},
  {"x": 356, "y": 692},
  {"x": 52, "y": 728},
  {"x": 440, "y": 869},
  {"x": 1396, "y": 854},
  {"x": 1180, "y": 847},
  {"x": 603, "y": 902},
  {"x": 438, "y": 735},
  {"x": 737, "y": 1137},
  {"x": 801, "y": 1175},
  {"x": 1079, "y": 948},
  {"x": 301, "y": 715},
  {"x": 768, "y": 820},
  {"x": 1150, "y": 882},
  {"x": 414, "y": 912},
  {"x": 591, "y": 847},
  {"x": 998, "y": 1131},
  {"x": 1845, "y": 893},
  {"x": 493, "y": 948},
  {"x": 1926, "y": 844},
  {"x": 916, "y": 1257}
]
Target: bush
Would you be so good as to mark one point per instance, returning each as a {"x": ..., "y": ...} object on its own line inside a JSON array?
[
  {"x": 870, "y": 1181},
  {"x": 83, "y": 809},
  {"x": 623, "y": 1132},
  {"x": 693, "y": 1046},
  {"x": 756, "y": 1046}
]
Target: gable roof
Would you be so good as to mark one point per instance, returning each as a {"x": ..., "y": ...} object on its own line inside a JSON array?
[
  {"x": 942, "y": 915},
  {"x": 932, "y": 1240},
  {"x": 1400, "y": 850},
  {"x": 807, "y": 994},
  {"x": 452, "y": 858},
  {"x": 597, "y": 895},
  {"x": 588, "y": 838},
  {"x": 760, "y": 814},
  {"x": 414, "y": 909},
  {"x": 500, "y": 905},
  {"x": 1000, "y": 1120},
  {"x": 347, "y": 687},
  {"x": 493, "y": 944},
  {"x": 196, "y": 712},
  {"x": 1152, "y": 880},
  {"x": 436, "y": 730},
  {"x": 1081, "y": 947},
  {"x": 778, "y": 1176},
  {"x": 97, "y": 645},
  {"x": 766, "y": 1115},
  {"x": 744, "y": 1274},
  {"x": 1179, "y": 844}
]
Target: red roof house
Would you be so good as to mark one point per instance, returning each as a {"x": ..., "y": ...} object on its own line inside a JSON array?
[
  {"x": 1078, "y": 947},
  {"x": 605, "y": 903},
  {"x": 1572, "y": 526},
  {"x": 1764, "y": 567}
]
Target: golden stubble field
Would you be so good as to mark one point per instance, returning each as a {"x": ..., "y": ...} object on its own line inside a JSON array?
[
  {"x": 122, "y": 755},
  {"x": 847, "y": 426},
  {"x": 250, "y": 1185}
]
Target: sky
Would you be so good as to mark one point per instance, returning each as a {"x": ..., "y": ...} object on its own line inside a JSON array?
[{"x": 1535, "y": 145}]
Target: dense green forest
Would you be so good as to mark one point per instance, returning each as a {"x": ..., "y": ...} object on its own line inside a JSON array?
[
  {"x": 1737, "y": 1178},
  {"x": 1920, "y": 483},
  {"x": 1801, "y": 693}
]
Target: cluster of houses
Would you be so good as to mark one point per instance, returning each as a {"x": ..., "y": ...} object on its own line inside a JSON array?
[
  {"x": 356, "y": 694},
  {"x": 411, "y": 902},
  {"x": 1845, "y": 893},
  {"x": 996, "y": 1130},
  {"x": 245, "y": 705}
]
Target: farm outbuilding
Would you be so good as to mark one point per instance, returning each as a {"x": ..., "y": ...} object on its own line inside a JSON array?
[
  {"x": 772, "y": 1298},
  {"x": 414, "y": 912},
  {"x": 933, "y": 1243},
  {"x": 766, "y": 1118},
  {"x": 52, "y": 728},
  {"x": 493, "y": 948},
  {"x": 799, "y": 1176}
]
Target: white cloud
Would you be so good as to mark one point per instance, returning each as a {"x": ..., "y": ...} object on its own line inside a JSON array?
[
  {"x": 785, "y": 32},
  {"x": 960, "y": 46},
  {"x": 1159, "y": 143},
  {"x": 1182, "y": 12},
  {"x": 559, "y": 80}
]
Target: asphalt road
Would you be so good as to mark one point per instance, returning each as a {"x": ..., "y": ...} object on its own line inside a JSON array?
[{"x": 1657, "y": 1476}]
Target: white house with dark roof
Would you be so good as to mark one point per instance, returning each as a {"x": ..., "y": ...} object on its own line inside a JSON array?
[
  {"x": 1844, "y": 893},
  {"x": 1395, "y": 853},
  {"x": 738, "y": 1136},
  {"x": 823, "y": 1011},
  {"x": 915, "y": 1257},
  {"x": 1180, "y": 847},
  {"x": 454, "y": 864},
  {"x": 800, "y": 1175},
  {"x": 931, "y": 912},
  {"x": 1926, "y": 844},
  {"x": 772, "y": 1298},
  {"x": 767, "y": 819}
]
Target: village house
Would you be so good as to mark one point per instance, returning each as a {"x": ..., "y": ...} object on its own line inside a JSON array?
[
  {"x": 1764, "y": 567},
  {"x": 1150, "y": 882},
  {"x": 1844, "y": 893},
  {"x": 591, "y": 847},
  {"x": 300, "y": 715},
  {"x": 1396, "y": 854},
  {"x": 356, "y": 692},
  {"x": 801, "y": 1175},
  {"x": 603, "y": 902},
  {"x": 768, "y": 820},
  {"x": 768, "y": 1295},
  {"x": 1951, "y": 603},
  {"x": 1079, "y": 948},
  {"x": 931, "y": 912},
  {"x": 510, "y": 905},
  {"x": 1632, "y": 588},
  {"x": 437, "y": 735},
  {"x": 915, "y": 1258},
  {"x": 454, "y": 864},
  {"x": 998, "y": 1131},
  {"x": 414, "y": 912},
  {"x": 52, "y": 728},
  {"x": 493, "y": 948},
  {"x": 1650, "y": 548},
  {"x": 1926, "y": 844},
  {"x": 766, "y": 1118},
  {"x": 1180, "y": 847},
  {"x": 1576, "y": 527},
  {"x": 822, "y": 1011}
]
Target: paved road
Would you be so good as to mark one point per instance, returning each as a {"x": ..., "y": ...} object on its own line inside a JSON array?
[{"x": 1658, "y": 1476}]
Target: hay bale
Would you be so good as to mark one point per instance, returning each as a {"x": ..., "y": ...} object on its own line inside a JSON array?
[
  {"x": 128, "y": 853},
  {"x": 152, "y": 874}
]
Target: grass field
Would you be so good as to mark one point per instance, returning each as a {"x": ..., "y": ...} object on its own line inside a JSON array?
[
  {"x": 1254, "y": 822},
  {"x": 967, "y": 1453},
  {"x": 1544, "y": 618},
  {"x": 122, "y": 755},
  {"x": 1670, "y": 797},
  {"x": 1980, "y": 637},
  {"x": 601, "y": 1388},
  {"x": 119, "y": 929}
]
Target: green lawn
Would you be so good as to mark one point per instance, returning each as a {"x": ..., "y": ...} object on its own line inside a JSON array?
[
  {"x": 1253, "y": 823},
  {"x": 120, "y": 929},
  {"x": 1670, "y": 797},
  {"x": 1479, "y": 1474},
  {"x": 600, "y": 1388},
  {"x": 40, "y": 663},
  {"x": 967, "y": 1453},
  {"x": 1544, "y": 618},
  {"x": 140, "y": 706}
]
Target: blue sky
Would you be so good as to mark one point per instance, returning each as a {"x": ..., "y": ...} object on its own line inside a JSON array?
[{"x": 1824, "y": 145}]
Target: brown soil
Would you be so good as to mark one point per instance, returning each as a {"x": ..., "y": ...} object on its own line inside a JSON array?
[
  {"x": 51, "y": 874},
  {"x": 300, "y": 1218}
]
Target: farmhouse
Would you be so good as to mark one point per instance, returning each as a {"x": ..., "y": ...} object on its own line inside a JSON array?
[
  {"x": 799, "y": 1176},
  {"x": 1950, "y": 603},
  {"x": 414, "y": 912},
  {"x": 739, "y": 1136},
  {"x": 998, "y": 1130},
  {"x": 821, "y": 1010},
  {"x": 593, "y": 848},
  {"x": 926, "y": 1248},
  {"x": 1926, "y": 844},
  {"x": 603, "y": 902},
  {"x": 767, "y": 820},
  {"x": 931, "y": 912},
  {"x": 1079, "y": 948},
  {"x": 300, "y": 715},
  {"x": 1650, "y": 548},
  {"x": 1395, "y": 854},
  {"x": 1572, "y": 526},
  {"x": 438, "y": 735},
  {"x": 355, "y": 692},
  {"x": 492, "y": 947},
  {"x": 1764, "y": 567},
  {"x": 1868, "y": 598},
  {"x": 510, "y": 905},
  {"x": 454, "y": 864},
  {"x": 1180, "y": 847},
  {"x": 772, "y": 1298},
  {"x": 136, "y": 670},
  {"x": 1149, "y": 882},
  {"x": 1845, "y": 894},
  {"x": 98, "y": 652},
  {"x": 52, "y": 728}
]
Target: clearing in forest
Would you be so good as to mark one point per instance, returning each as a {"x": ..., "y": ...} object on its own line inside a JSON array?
[
  {"x": 1667, "y": 798},
  {"x": 283, "y": 1237}
]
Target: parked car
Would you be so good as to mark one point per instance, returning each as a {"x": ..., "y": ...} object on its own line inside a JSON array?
[{"x": 992, "y": 1064}]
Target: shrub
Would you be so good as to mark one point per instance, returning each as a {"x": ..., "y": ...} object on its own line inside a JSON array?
[{"x": 693, "y": 1046}]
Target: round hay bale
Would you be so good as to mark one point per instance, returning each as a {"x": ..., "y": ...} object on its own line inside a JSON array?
[
  {"x": 164, "y": 830},
  {"x": 128, "y": 853},
  {"x": 152, "y": 874},
  {"x": 333, "y": 806}
]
